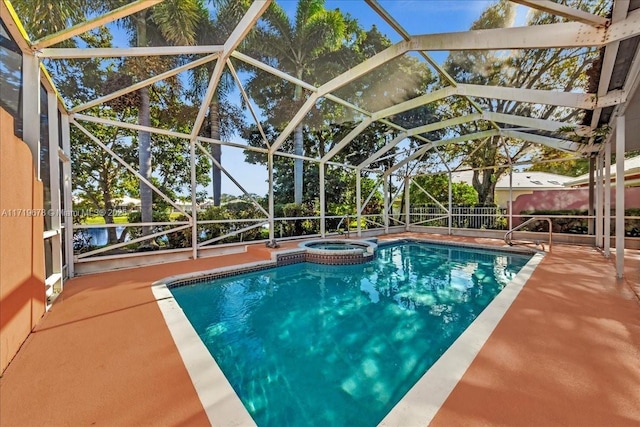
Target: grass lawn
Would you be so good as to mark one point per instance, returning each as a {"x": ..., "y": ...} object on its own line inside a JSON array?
[
  {"x": 95, "y": 220},
  {"x": 92, "y": 220}
]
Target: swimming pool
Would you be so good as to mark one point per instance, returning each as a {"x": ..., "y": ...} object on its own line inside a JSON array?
[{"x": 341, "y": 345}]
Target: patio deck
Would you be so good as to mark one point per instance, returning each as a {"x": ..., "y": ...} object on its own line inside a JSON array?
[{"x": 566, "y": 352}]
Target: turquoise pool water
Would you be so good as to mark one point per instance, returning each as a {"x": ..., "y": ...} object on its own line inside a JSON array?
[{"x": 317, "y": 345}]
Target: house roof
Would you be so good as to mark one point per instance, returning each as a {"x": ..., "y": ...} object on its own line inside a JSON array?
[
  {"x": 126, "y": 200},
  {"x": 528, "y": 180},
  {"x": 631, "y": 168}
]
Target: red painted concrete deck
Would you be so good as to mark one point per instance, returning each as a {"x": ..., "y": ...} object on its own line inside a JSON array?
[{"x": 566, "y": 353}]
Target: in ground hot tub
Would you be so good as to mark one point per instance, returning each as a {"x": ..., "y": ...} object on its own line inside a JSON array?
[{"x": 336, "y": 251}]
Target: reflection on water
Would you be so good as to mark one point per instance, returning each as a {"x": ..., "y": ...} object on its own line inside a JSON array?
[
  {"x": 100, "y": 236},
  {"x": 315, "y": 345}
]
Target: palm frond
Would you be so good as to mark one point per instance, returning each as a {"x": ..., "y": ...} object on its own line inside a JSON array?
[
  {"x": 277, "y": 20},
  {"x": 177, "y": 20}
]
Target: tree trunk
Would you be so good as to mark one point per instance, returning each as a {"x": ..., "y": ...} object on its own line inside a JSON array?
[
  {"x": 144, "y": 138},
  {"x": 108, "y": 218},
  {"x": 298, "y": 149},
  {"x": 216, "y": 149},
  {"x": 484, "y": 181},
  {"x": 485, "y": 187}
]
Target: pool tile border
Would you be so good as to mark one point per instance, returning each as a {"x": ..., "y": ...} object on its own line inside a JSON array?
[{"x": 224, "y": 407}]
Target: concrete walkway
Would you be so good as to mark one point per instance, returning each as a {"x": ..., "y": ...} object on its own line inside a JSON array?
[{"x": 566, "y": 353}]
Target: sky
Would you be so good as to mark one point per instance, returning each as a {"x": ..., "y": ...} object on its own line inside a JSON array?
[{"x": 416, "y": 16}]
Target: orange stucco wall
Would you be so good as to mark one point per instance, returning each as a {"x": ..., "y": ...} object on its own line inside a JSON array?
[{"x": 22, "y": 293}]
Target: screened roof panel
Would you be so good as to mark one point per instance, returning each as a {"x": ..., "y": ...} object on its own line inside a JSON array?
[{"x": 284, "y": 58}]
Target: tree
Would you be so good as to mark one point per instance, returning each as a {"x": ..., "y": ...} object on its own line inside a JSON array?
[
  {"x": 97, "y": 176},
  {"x": 296, "y": 47},
  {"x": 573, "y": 167},
  {"x": 438, "y": 188},
  {"x": 224, "y": 118},
  {"x": 545, "y": 69},
  {"x": 159, "y": 21},
  {"x": 43, "y": 17},
  {"x": 328, "y": 123}
]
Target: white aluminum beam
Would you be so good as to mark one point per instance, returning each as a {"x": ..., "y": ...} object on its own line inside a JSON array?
[
  {"x": 372, "y": 158},
  {"x": 89, "y": 25},
  {"x": 565, "y": 11},
  {"x": 600, "y": 200},
  {"x": 358, "y": 202},
  {"x": 416, "y": 102},
  {"x": 271, "y": 70},
  {"x": 427, "y": 147},
  {"x": 343, "y": 79},
  {"x": 347, "y": 139},
  {"x": 211, "y": 89},
  {"x": 68, "y": 198},
  {"x": 365, "y": 67},
  {"x": 445, "y": 123},
  {"x": 246, "y": 193},
  {"x": 620, "y": 149},
  {"x": 560, "y": 144},
  {"x": 534, "y": 96},
  {"x": 295, "y": 121},
  {"x": 431, "y": 197},
  {"x": 128, "y": 167},
  {"x": 529, "y": 122},
  {"x": 624, "y": 29},
  {"x": 125, "y": 125},
  {"x": 376, "y": 187},
  {"x": 232, "y": 144},
  {"x": 619, "y": 13},
  {"x": 607, "y": 199},
  {"x": 119, "y": 52},
  {"x": 159, "y": 131},
  {"x": 407, "y": 37},
  {"x": 385, "y": 201},
  {"x": 245, "y": 25},
  {"x": 31, "y": 108},
  {"x": 562, "y": 35},
  {"x": 54, "y": 180},
  {"x": 311, "y": 88},
  {"x": 10, "y": 18},
  {"x": 321, "y": 172},
  {"x": 632, "y": 83},
  {"x": 232, "y": 233},
  {"x": 247, "y": 22},
  {"x": 144, "y": 83},
  {"x": 270, "y": 197},
  {"x": 129, "y": 242},
  {"x": 407, "y": 203},
  {"x": 194, "y": 206},
  {"x": 247, "y": 101},
  {"x": 478, "y": 147}
]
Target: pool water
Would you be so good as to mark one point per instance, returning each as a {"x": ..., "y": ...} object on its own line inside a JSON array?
[{"x": 315, "y": 345}]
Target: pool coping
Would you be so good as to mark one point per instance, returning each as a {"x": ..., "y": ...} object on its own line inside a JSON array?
[{"x": 419, "y": 405}]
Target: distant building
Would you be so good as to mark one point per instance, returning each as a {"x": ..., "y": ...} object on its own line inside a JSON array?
[
  {"x": 631, "y": 175},
  {"x": 522, "y": 183}
]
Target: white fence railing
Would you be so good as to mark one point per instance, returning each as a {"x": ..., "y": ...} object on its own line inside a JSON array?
[{"x": 94, "y": 241}]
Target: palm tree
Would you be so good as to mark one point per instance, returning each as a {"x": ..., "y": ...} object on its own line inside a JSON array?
[
  {"x": 44, "y": 17},
  {"x": 164, "y": 17},
  {"x": 295, "y": 46},
  {"x": 223, "y": 118}
]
